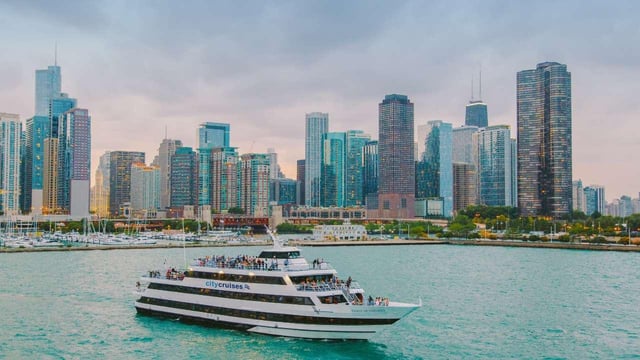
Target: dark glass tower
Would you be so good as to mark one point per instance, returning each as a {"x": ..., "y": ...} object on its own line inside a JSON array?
[
  {"x": 544, "y": 140},
  {"x": 476, "y": 114},
  {"x": 396, "y": 183}
]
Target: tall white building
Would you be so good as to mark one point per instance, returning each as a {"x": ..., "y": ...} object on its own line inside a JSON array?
[
  {"x": 317, "y": 125},
  {"x": 463, "y": 151},
  {"x": 145, "y": 187},
  {"x": 579, "y": 201},
  {"x": 10, "y": 131}
]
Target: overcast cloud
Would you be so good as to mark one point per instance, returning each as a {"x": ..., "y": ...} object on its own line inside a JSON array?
[{"x": 142, "y": 66}]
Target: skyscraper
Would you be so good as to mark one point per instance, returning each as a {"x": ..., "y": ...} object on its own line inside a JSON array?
[
  {"x": 316, "y": 125},
  {"x": 463, "y": 151},
  {"x": 166, "y": 150},
  {"x": 48, "y": 86},
  {"x": 300, "y": 175},
  {"x": 37, "y": 130},
  {"x": 145, "y": 188},
  {"x": 493, "y": 149},
  {"x": 253, "y": 176},
  {"x": 464, "y": 186},
  {"x": 434, "y": 177},
  {"x": 333, "y": 169},
  {"x": 273, "y": 160},
  {"x": 210, "y": 135},
  {"x": 578, "y": 197},
  {"x": 544, "y": 140},
  {"x": 396, "y": 183},
  {"x": 120, "y": 178},
  {"x": 183, "y": 177},
  {"x": 100, "y": 191},
  {"x": 476, "y": 111},
  {"x": 354, "y": 168},
  {"x": 10, "y": 131},
  {"x": 476, "y": 114},
  {"x": 370, "y": 174},
  {"x": 594, "y": 199},
  {"x": 74, "y": 162},
  {"x": 224, "y": 178}
]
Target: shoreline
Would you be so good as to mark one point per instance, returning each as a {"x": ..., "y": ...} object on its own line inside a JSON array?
[{"x": 393, "y": 242}]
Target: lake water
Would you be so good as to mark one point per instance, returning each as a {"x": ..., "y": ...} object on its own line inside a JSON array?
[{"x": 479, "y": 302}]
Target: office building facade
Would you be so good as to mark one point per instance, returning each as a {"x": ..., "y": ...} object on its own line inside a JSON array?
[
  {"x": 494, "y": 165},
  {"x": 183, "y": 177},
  {"x": 120, "y": 163},
  {"x": 434, "y": 172},
  {"x": 10, "y": 136},
  {"x": 396, "y": 182},
  {"x": 210, "y": 135}
]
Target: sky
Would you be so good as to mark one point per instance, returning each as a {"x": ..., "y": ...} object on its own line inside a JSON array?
[{"x": 146, "y": 67}]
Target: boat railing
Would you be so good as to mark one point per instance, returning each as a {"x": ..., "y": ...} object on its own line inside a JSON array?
[
  {"x": 265, "y": 266},
  {"x": 328, "y": 287}
]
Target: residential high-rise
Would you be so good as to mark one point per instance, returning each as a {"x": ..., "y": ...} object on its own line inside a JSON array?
[
  {"x": 210, "y": 135},
  {"x": 100, "y": 190},
  {"x": 48, "y": 86},
  {"x": 120, "y": 178},
  {"x": 166, "y": 150},
  {"x": 275, "y": 171},
  {"x": 396, "y": 182},
  {"x": 74, "y": 162},
  {"x": 544, "y": 140},
  {"x": 145, "y": 188},
  {"x": 300, "y": 175},
  {"x": 253, "y": 176},
  {"x": 333, "y": 169},
  {"x": 224, "y": 178},
  {"x": 494, "y": 171},
  {"x": 354, "y": 168},
  {"x": 37, "y": 130},
  {"x": 594, "y": 199},
  {"x": 10, "y": 134},
  {"x": 370, "y": 174},
  {"x": 578, "y": 197},
  {"x": 316, "y": 125},
  {"x": 183, "y": 177},
  {"x": 51, "y": 177},
  {"x": 283, "y": 191},
  {"x": 464, "y": 186},
  {"x": 434, "y": 177},
  {"x": 463, "y": 151}
]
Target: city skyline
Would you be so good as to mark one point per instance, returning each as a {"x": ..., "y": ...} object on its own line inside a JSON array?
[{"x": 209, "y": 73}]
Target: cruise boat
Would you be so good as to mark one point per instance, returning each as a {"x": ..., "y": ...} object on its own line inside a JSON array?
[{"x": 276, "y": 293}]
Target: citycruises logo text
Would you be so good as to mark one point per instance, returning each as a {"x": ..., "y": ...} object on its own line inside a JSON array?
[{"x": 225, "y": 285}]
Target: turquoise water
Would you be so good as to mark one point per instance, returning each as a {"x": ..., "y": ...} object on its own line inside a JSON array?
[{"x": 479, "y": 302}]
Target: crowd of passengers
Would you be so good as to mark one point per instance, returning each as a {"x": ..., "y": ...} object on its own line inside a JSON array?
[
  {"x": 379, "y": 301},
  {"x": 323, "y": 282},
  {"x": 171, "y": 273},
  {"x": 238, "y": 262}
]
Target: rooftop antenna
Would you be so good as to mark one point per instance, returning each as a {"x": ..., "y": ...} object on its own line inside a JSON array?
[
  {"x": 480, "y": 82},
  {"x": 471, "y": 88}
]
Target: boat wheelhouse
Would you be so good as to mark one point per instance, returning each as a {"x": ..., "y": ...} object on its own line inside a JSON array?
[{"x": 276, "y": 293}]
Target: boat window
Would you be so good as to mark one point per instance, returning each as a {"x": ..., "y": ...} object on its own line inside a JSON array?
[
  {"x": 279, "y": 254},
  {"x": 332, "y": 299},
  {"x": 256, "y": 279},
  {"x": 296, "y": 300}
]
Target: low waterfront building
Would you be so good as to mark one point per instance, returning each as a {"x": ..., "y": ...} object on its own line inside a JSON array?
[{"x": 346, "y": 231}]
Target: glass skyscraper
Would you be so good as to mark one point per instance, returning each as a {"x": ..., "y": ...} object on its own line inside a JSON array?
[
  {"x": 434, "y": 177},
  {"x": 74, "y": 161},
  {"x": 316, "y": 125},
  {"x": 370, "y": 174},
  {"x": 544, "y": 140},
  {"x": 37, "y": 129},
  {"x": 354, "y": 168},
  {"x": 493, "y": 148},
  {"x": 183, "y": 177},
  {"x": 210, "y": 135},
  {"x": 48, "y": 87},
  {"x": 476, "y": 114},
  {"x": 396, "y": 183},
  {"x": 333, "y": 169},
  {"x": 120, "y": 178}
]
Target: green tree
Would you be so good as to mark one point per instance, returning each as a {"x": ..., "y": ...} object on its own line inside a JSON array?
[{"x": 236, "y": 210}]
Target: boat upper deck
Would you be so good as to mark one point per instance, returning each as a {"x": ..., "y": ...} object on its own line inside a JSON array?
[{"x": 244, "y": 262}]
